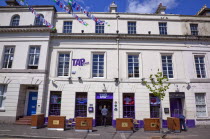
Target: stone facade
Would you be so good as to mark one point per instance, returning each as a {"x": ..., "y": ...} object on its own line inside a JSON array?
[{"x": 179, "y": 43}]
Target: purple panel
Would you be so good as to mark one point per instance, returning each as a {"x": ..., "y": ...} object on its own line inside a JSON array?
[
  {"x": 190, "y": 123},
  {"x": 114, "y": 123},
  {"x": 45, "y": 120},
  {"x": 94, "y": 122},
  {"x": 141, "y": 124},
  {"x": 164, "y": 124},
  {"x": 176, "y": 107},
  {"x": 104, "y": 95}
]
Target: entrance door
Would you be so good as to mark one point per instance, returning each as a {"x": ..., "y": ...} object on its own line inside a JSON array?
[
  {"x": 176, "y": 107},
  {"x": 99, "y": 105},
  {"x": 32, "y": 101}
]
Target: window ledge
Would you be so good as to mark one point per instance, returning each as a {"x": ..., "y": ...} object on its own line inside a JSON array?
[
  {"x": 2, "y": 110},
  {"x": 203, "y": 119},
  {"x": 200, "y": 80}
]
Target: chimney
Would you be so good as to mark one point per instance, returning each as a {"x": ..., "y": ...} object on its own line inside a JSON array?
[
  {"x": 12, "y": 3},
  {"x": 161, "y": 9},
  {"x": 204, "y": 11},
  {"x": 113, "y": 8}
]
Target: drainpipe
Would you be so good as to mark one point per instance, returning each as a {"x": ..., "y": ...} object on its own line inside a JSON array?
[
  {"x": 118, "y": 75},
  {"x": 118, "y": 67}
]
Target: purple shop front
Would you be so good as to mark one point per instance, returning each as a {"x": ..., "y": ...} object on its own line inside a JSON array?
[{"x": 104, "y": 99}]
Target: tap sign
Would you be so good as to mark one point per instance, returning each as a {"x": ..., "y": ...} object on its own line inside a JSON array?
[{"x": 79, "y": 62}]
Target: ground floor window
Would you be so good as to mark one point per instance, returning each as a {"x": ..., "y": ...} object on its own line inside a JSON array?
[
  {"x": 2, "y": 95},
  {"x": 128, "y": 105},
  {"x": 200, "y": 104},
  {"x": 55, "y": 103},
  {"x": 81, "y": 105},
  {"x": 154, "y": 106}
]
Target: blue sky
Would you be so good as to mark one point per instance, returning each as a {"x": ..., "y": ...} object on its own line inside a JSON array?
[{"x": 185, "y": 7}]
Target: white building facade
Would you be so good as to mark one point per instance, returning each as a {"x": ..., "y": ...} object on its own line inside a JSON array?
[{"x": 78, "y": 69}]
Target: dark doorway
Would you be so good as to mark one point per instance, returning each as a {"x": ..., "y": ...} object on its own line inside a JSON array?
[
  {"x": 99, "y": 105},
  {"x": 176, "y": 107}
]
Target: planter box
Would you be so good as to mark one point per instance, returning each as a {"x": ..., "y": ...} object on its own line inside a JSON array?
[
  {"x": 57, "y": 123},
  {"x": 37, "y": 121},
  {"x": 152, "y": 124},
  {"x": 124, "y": 124},
  {"x": 173, "y": 124},
  {"x": 84, "y": 124}
]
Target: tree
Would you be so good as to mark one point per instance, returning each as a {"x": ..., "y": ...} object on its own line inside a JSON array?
[{"x": 158, "y": 87}]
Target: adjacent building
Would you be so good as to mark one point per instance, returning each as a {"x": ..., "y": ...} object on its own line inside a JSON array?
[{"x": 76, "y": 70}]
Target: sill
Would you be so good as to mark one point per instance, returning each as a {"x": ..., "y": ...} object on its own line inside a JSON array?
[
  {"x": 2, "y": 110},
  {"x": 202, "y": 119}
]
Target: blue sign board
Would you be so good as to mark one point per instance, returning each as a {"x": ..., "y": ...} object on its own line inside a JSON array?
[{"x": 104, "y": 95}]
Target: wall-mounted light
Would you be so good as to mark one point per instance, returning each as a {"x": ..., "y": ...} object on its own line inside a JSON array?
[
  {"x": 149, "y": 32},
  {"x": 70, "y": 78},
  {"x": 79, "y": 78},
  {"x": 82, "y": 31},
  {"x": 142, "y": 79},
  {"x": 116, "y": 80},
  {"x": 117, "y": 31}
]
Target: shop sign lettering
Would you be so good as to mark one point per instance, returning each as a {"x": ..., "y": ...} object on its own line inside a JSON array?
[
  {"x": 79, "y": 62},
  {"x": 104, "y": 96}
]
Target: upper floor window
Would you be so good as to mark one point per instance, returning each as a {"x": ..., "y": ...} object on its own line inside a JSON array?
[
  {"x": 63, "y": 64},
  {"x": 194, "y": 29},
  {"x": 200, "y": 67},
  {"x": 8, "y": 57},
  {"x": 38, "y": 20},
  {"x": 67, "y": 27},
  {"x": 133, "y": 66},
  {"x": 99, "y": 28},
  {"x": 33, "y": 61},
  {"x": 2, "y": 95},
  {"x": 15, "y": 20},
  {"x": 163, "y": 28},
  {"x": 167, "y": 66},
  {"x": 131, "y": 27},
  {"x": 200, "y": 101},
  {"x": 98, "y": 65}
]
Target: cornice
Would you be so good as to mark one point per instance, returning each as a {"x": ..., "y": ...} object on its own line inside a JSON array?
[
  {"x": 128, "y": 36},
  {"x": 35, "y": 71},
  {"x": 24, "y": 29}
]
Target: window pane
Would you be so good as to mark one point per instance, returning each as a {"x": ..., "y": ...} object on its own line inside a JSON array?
[
  {"x": 98, "y": 65},
  {"x": 133, "y": 66},
  {"x": 131, "y": 27},
  {"x": 99, "y": 28},
  {"x": 63, "y": 64},
  {"x": 200, "y": 66},
  {"x": 163, "y": 28},
  {"x": 167, "y": 66},
  {"x": 67, "y": 27}
]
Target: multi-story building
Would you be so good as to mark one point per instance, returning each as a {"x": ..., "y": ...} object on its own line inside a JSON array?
[{"x": 78, "y": 69}]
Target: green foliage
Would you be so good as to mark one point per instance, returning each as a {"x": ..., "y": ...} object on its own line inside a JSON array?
[{"x": 158, "y": 84}]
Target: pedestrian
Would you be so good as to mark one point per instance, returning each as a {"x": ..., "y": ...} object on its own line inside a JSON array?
[
  {"x": 104, "y": 113},
  {"x": 182, "y": 123}
]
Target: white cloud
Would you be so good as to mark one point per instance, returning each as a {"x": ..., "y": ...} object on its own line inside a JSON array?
[{"x": 148, "y": 6}]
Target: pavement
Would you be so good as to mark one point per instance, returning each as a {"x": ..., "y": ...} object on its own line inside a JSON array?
[{"x": 10, "y": 131}]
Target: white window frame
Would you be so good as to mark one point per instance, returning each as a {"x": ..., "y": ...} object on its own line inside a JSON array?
[
  {"x": 3, "y": 96},
  {"x": 140, "y": 65},
  {"x": 63, "y": 52},
  {"x": 104, "y": 73},
  {"x": 194, "y": 32},
  {"x": 69, "y": 26},
  {"x": 12, "y": 21},
  {"x": 9, "y": 57},
  {"x": 100, "y": 28},
  {"x": 38, "y": 21},
  {"x": 205, "y": 63},
  {"x": 34, "y": 54},
  {"x": 131, "y": 31},
  {"x": 205, "y": 95},
  {"x": 167, "y": 64},
  {"x": 166, "y": 28}
]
